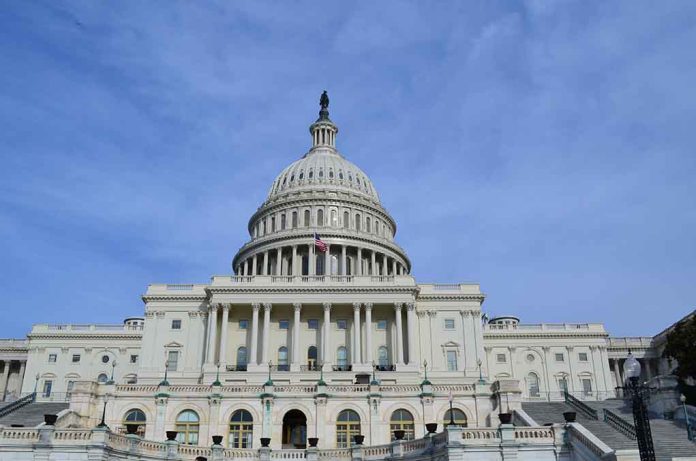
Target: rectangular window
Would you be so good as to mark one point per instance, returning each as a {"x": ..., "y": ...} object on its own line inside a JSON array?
[
  {"x": 452, "y": 360},
  {"x": 243, "y": 324},
  {"x": 449, "y": 324},
  {"x": 560, "y": 358},
  {"x": 313, "y": 324},
  {"x": 76, "y": 358},
  {"x": 47, "y": 386},
  {"x": 283, "y": 324},
  {"x": 176, "y": 324},
  {"x": 563, "y": 385},
  {"x": 133, "y": 358},
  {"x": 342, "y": 324},
  {"x": 172, "y": 360},
  {"x": 582, "y": 356},
  {"x": 587, "y": 386},
  {"x": 381, "y": 324},
  {"x": 52, "y": 358},
  {"x": 501, "y": 358},
  {"x": 70, "y": 386}
]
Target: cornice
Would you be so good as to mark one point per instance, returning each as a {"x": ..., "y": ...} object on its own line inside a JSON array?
[
  {"x": 546, "y": 335},
  {"x": 173, "y": 297},
  {"x": 452, "y": 297},
  {"x": 91, "y": 335},
  {"x": 316, "y": 289}
]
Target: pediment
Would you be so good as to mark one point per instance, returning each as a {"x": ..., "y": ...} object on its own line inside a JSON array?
[{"x": 174, "y": 344}]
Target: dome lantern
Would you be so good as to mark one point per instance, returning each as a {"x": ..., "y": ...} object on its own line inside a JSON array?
[{"x": 323, "y": 130}]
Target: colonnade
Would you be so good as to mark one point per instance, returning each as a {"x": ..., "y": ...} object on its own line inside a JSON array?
[
  {"x": 5, "y": 378},
  {"x": 359, "y": 355},
  {"x": 287, "y": 260}
]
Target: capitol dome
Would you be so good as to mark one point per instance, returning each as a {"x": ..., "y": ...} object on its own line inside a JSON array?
[{"x": 322, "y": 194}]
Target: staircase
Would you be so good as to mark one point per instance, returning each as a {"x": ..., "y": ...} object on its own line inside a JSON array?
[{"x": 32, "y": 414}]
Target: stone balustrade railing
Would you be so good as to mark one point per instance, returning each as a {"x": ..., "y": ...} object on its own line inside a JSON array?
[{"x": 549, "y": 327}]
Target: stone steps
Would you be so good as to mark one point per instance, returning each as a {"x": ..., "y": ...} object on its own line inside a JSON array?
[{"x": 32, "y": 415}]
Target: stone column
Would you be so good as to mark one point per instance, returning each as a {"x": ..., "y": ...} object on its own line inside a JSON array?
[
  {"x": 327, "y": 260},
  {"x": 466, "y": 349},
  {"x": 399, "y": 334},
  {"x": 569, "y": 349},
  {"x": 373, "y": 260},
  {"x": 266, "y": 332},
  {"x": 384, "y": 264},
  {"x": 22, "y": 369},
  {"x": 293, "y": 266},
  {"x": 223, "y": 335},
  {"x": 344, "y": 267},
  {"x": 412, "y": 334},
  {"x": 327, "y": 333},
  {"x": 359, "y": 265},
  {"x": 357, "y": 355},
  {"x": 545, "y": 363},
  {"x": 617, "y": 373},
  {"x": 212, "y": 333},
  {"x": 368, "y": 333},
  {"x": 254, "y": 356},
  {"x": 393, "y": 266},
  {"x": 279, "y": 261},
  {"x": 246, "y": 267},
  {"x": 5, "y": 378},
  {"x": 254, "y": 265},
  {"x": 513, "y": 372},
  {"x": 264, "y": 269},
  {"x": 296, "y": 337},
  {"x": 311, "y": 261}
]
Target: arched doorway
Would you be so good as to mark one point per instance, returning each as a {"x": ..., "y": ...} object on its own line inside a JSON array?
[{"x": 294, "y": 429}]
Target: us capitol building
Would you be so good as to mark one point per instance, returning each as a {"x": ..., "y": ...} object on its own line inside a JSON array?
[{"x": 320, "y": 333}]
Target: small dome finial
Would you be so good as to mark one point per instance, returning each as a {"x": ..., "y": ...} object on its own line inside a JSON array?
[{"x": 324, "y": 103}]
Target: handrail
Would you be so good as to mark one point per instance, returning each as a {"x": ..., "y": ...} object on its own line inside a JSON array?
[
  {"x": 19, "y": 403},
  {"x": 620, "y": 424},
  {"x": 580, "y": 406}
]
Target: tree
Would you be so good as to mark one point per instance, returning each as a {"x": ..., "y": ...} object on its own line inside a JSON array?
[{"x": 681, "y": 346}]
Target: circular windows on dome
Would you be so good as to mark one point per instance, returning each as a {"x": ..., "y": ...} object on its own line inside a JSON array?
[
  {"x": 530, "y": 358},
  {"x": 105, "y": 359}
]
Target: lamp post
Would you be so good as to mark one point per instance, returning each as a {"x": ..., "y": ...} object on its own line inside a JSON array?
[
  {"x": 36, "y": 383},
  {"x": 451, "y": 399},
  {"x": 689, "y": 435},
  {"x": 164, "y": 382},
  {"x": 479, "y": 362},
  {"x": 103, "y": 422},
  {"x": 113, "y": 366},
  {"x": 640, "y": 413}
]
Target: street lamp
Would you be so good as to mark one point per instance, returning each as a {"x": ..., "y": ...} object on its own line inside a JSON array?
[
  {"x": 103, "y": 418},
  {"x": 451, "y": 399},
  {"x": 479, "y": 362},
  {"x": 689, "y": 435},
  {"x": 640, "y": 412},
  {"x": 113, "y": 366}
]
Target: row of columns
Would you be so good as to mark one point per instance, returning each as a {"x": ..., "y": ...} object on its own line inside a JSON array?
[
  {"x": 5, "y": 377},
  {"x": 260, "y": 263},
  {"x": 297, "y": 357}
]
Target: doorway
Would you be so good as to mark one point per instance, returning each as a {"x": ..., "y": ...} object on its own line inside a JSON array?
[{"x": 294, "y": 430}]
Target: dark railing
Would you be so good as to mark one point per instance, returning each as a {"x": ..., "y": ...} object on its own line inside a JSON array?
[
  {"x": 387, "y": 367},
  {"x": 19, "y": 403},
  {"x": 283, "y": 367},
  {"x": 342, "y": 367},
  {"x": 620, "y": 424},
  {"x": 236, "y": 367},
  {"x": 580, "y": 406},
  {"x": 314, "y": 367}
]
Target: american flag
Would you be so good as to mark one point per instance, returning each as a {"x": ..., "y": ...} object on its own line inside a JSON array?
[{"x": 321, "y": 246}]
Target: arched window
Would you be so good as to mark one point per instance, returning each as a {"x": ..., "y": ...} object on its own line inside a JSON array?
[
  {"x": 242, "y": 359},
  {"x": 241, "y": 430},
  {"x": 306, "y": 218},
  {"x": 273, "y": 224},
  {"x": 376, "y": 227},
  {"x": 533, "y": 385},
  {"x": 357, "y": 222},
  {"x": 402, "y": 420},
  {"x": 301, "y": 175},
  {"x": 187, "y": 424},
  {"x": 331, "y": 175},
  {"x": 334, "y": 219},
  {"x": 367, "y": 225},
  {"x": 312, "y": 358},
  {"x": 342, "y": 358},
  {"x": 294, "y": 219},
  {"x": 102, "y": 378},
  {"x": 383, "y": 358},
  {"x": 346, "y": 219},
  {"x": 137, "y": 418},
  {"x": 282, "y": 221},
  {"x": 283, "y": 359},
  {"x": 347, "y": 425},
  {"x": 340, "y": 174},
  {"x": 320, "y": 217},
  {"x": 459, "y": 418},
  {"x": 311, "y": 174}
]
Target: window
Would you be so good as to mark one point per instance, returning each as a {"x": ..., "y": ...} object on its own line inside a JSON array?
[
  {"x": 176, "y": 324},
  {"x": 137, "y": 418},
  {"x": 381, "y": 324},
  {"x": 282, "y": 221},
  {"x": 47, "y": 386},
  {"x": 102, "y": 378},
  {"x": 449, "y": 324},
  {"x": 342, "y": 358},
  {"x": 357, "y": 222},
  {"x": 134, "y": 358},
  {"x": 501, "y": 358},
  {"x": 172, "y": 360},
  {"x": 52, "y": 358},
  {"x": 306, "y": 218},
  {"x": 347, "y": 425},
  {"x": 458, "y": 417},
  {"x": 334, "y": 219},
  {"x": 533, "y": 385},
  {"x": 187, "y": 424},
  {"x": 294, "y": 219},
  {"x": 312, "y": 358},
  {"x": 320, "y": 217},
  {"x": 402, "y": 420},
  {"x": 273, "y": 228},
  {"x": 243, "y": 324},
  {"x": 342, "y": 324},
  {"x": 241, "y": 430},
  {"x": 71, "y": 384},
  {"x": 451, "y": 360},
  {"x": 530, "y": 358},
  {"x": 563, "y": 384},
  {"x": 368, "y": 227},
  {"x": 586, "y": 386},
  {"x": 383, "y": 357},
  {"x": 313, "y": 324},
  {"x": 283, "y": 359},
  {"x": 76, "y": 358},
  {"x": 560, "y": 358},
  {"x": 582, "y": 356},
  {"x": 242, "y": 358},
  {"x": 346, "y": 219},
  {"x": 105, "y": 359},
  {"x": 283, "y": 324}
]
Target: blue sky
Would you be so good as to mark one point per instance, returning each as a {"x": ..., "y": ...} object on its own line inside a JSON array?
[{"x": 543, "y": 149}]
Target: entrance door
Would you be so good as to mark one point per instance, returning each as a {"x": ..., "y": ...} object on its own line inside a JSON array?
[{"x": 294, "y": 429}]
